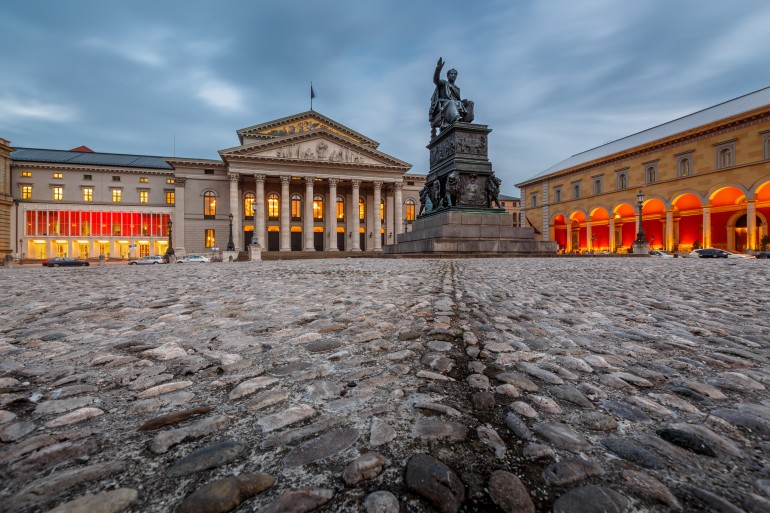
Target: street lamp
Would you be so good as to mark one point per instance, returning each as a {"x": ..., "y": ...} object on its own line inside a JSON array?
[
  {"x": 230, "y": 244},
  {"x": 170, "y": 248},
  {"x": 640, "y": 237}
]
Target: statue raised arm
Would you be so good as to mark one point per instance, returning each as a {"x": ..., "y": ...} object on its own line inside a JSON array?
[{"x": 446, "y": 104}]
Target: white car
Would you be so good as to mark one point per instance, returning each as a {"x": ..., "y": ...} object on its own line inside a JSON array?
[
  {"x": 193, "y": 259},
  {"x": 660, "y": 253},
  {"x": 716, "y": 253},
  {"x": 149, "y": 260}
]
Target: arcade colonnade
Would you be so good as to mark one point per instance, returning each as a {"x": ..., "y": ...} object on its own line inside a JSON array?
[{"x": 729, "y": 216}]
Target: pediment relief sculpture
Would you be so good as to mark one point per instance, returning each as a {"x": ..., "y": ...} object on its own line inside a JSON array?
[{"x": 320, "y": 150}]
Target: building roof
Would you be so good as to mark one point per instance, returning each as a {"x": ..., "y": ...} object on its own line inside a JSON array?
[
  {"x": 730, "y": 108},
  {"x": 88, "y": 158},
  {"x": 507, "y": 198}
]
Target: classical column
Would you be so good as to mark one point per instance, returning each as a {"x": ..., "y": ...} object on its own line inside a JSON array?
[
  {"x": 376, "y": 226},
  {"x": 308, "y": 225},
  {"x": 389, "y": 221},
  {"x": 669, "y": 233},
  {"x": 398, "y": 211},
  {"x": 179, "y": 209},
  {"x": 354, "y": 216},
  {"x": 235, "y": 210},
  {"x": 285, "y": 214},
  {"x": 706, "y": 242},
  {"x": 589, "y": 240},
  {"x": 568, "y": 245},
  {"x": 612, "y": 235},
  {"x": 259, "y": 212},
  {"x": 331, "y": 222},
  {"x": 751, "y": 224}
]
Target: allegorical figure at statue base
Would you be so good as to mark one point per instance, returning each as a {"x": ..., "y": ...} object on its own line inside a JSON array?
[
  {"x": 446, "y": 104},
  {"x": 492, "y": 190}
]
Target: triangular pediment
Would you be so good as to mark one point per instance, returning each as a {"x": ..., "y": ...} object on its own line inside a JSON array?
[
  {"x": 304, "y": 122},
  {"x": 319, "y": 146}
]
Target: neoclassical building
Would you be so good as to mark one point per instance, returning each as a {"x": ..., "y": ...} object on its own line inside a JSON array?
[
  {"x": 705, "y": 179},
  {"x": 300, "y": 183}
]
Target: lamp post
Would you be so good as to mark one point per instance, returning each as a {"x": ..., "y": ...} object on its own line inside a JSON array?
[
  {"x": 230, "y": 244},
  {"x": 640, "y": 237},
  {"x": 170, "y": 248}
]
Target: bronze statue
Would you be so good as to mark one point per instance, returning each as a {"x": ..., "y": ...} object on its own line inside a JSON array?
[
  {"x": 424, "y": 200},
  {"x": 446, "y": 104},
  {"x": 452, "y": 196},
  {"x": 493, "y": 190}
]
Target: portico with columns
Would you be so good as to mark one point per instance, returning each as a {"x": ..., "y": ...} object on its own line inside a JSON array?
[{"x": 304, "y": 183}]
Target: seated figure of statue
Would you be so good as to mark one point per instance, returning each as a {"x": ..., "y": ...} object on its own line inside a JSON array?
[{"x": 446, "y": 104}]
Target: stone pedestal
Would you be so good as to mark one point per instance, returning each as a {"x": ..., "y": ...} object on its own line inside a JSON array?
[
  {"x": 641, "y": 248},
  {"x": 101, "y": 260},
  {"x": 229, "y": 256},
  {"x": 255, "y": 252},
  {"x": 464, "y": 231},
  {"x": 460, "y": 217},
  {"x": 8, "y": 261}
]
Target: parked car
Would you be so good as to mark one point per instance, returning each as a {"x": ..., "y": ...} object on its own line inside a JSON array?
[
  {"x": 716, "y": 253},
  {"x": 192, "y": 259},
  {"x": 65, "y": 262},
  {"x": 763, "y": 254},
  {"x": 660, "y": 253},
  {"x": 149, "y": 260},
  {"x": 731, "y": 254}
]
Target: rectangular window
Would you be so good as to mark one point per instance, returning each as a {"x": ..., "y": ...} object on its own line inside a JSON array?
[
  {"x": 88, "y": 193},
  {"x": 575, "y": 191},
  {"x": 208, "y": 171},
  {"x": 117, "y": 195},
  {"x": 142, "y": 179},
  {"x": 26, "y": 174},
  {"x": 57, "y": 175},
  {"x": 622, "y": 180},
  {"x": 210, "y": 238},
  {"x": 170, "y": 181},
  {"x": 597, "y": 186},
  {"x": 144, "y": 196},
  {"x": 115, "y": 178},
  {"x": 26, "y": 192},
  {"x": 169, "y": 197},
  {"x": 533, "y": 201},
  {"x": 557, "y": 195},
  {"x": 58, "y": 193},
  {"x": 86, "y": 177}
]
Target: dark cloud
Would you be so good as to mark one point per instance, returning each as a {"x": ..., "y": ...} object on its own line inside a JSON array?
[{"x": 551, "y": 78}]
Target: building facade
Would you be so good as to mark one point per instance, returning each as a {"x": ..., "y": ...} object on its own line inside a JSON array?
[
  {"x": 301, "y": 183},
  {"x": 704, "y": 179},
  {"x": 512, "y": 205},
  {"x": 6, "y": 200}
]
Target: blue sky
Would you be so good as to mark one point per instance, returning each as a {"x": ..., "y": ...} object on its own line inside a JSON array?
[{"x": 550, "y": 77}]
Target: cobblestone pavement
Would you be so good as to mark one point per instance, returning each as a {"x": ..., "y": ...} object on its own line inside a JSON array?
[{"x": 516, "y": 385}]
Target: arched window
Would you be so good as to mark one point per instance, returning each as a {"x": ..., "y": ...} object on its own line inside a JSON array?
[
  {"x": 361, "y": 209},
  {"x": 650, "y": 175},
  {"x": 725, "y": 158},
  {"x": 209, "y": 204},
  {"x": 340, "y": 208},
  {"x": 557, "y": 195},
  {"x": 273, "y": 206},
  {"x": 248, "y": 205},
  {"x": 767, "y": 147},
  {"x": 622, "y": 181},
  {"x": 296, "y": 207},
  {"x": 382, "y": 211},
  {"x": 409, "y": 209},
  {"x": 597, "y": 186},
  {"x": 684, "y": 167},
  {"x": 318, "y": 208}
]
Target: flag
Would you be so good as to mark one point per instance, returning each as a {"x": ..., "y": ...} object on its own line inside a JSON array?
[{"x": 312, "y": 92}]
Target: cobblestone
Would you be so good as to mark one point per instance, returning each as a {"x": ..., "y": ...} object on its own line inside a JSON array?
[{"x": 625, "y": 384}]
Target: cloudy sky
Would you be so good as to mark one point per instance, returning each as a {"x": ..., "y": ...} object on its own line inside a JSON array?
[{"x": 551, "y": 77}]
